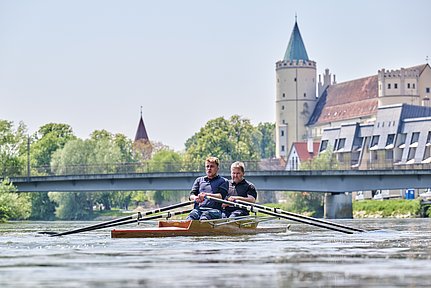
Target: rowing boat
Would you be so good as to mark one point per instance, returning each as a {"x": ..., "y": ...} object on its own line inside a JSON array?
[
  {"x": 218, "y": 227},
  {"x": 230, "y": 226}
]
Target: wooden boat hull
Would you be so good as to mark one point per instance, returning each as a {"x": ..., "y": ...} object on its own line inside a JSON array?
[{"x": 174, "y": 228}]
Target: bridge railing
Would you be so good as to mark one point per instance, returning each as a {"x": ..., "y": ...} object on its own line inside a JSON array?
[{"x": 151, "y": 166}]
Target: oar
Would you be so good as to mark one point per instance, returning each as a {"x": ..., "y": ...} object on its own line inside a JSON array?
[
  {"x": 134, "y": 217},
  {"x": 164, "y": 215},
  {"x": 256, "y": 209},
  {"x": 278, "y": 210}
]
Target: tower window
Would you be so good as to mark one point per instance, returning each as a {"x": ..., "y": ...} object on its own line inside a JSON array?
[
  {"x": 408, "y": 85},
  {"x": 282, "y": 132},
  {"x": 294, "y": 79},
  {"x": 282, "y": 107},
  {"x": 427, "y": 90},
  {"x": 396, "y": 86},
  {"x": 282, "y": 148},
  {"x": 389, "y": 85},
  {"x": 305, "y": 94},
  {"x": 284, "y": 121},
  {"x": 284, "y": 95}
]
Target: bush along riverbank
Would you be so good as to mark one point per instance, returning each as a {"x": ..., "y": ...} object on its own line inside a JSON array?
[{"x": 396, "y": 208}]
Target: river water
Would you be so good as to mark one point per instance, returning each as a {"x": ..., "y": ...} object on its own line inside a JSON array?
[{"x": 396, "y": 253}]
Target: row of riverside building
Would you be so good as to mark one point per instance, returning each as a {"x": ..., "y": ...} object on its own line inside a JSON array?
[{"x": 381, "y": 121}]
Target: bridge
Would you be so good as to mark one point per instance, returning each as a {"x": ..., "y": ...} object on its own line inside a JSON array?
[{"x": 334, "y": 181}]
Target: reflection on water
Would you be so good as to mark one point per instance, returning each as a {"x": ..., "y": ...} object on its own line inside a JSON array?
[{"x": 396, "y": 253}]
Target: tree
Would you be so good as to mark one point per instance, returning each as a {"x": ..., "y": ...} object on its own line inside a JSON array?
[
  {"x": 72, "y": 159},
  {"x": 42, "y": 208},
  {"x": 324, "y": 161},
  {"x": 12, "y": 205},
  {"x": 166, "y": 160},
  {"x": 313, "y": 202},
  {"x": 100, "y": 154},
  {"x": 267, "y": 140},
  {"x": 72, "y": 205},
  {"x": 48, "y": 139},
  {"x": 13, "y": 147},
  {"x": 230, "y": 140}
]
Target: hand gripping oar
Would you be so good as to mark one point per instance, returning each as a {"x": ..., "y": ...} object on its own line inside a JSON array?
[
  {"x": 278, "y": 210},
  {"x": 256, "y": 209},
  {"x": 134, "y": 217}
]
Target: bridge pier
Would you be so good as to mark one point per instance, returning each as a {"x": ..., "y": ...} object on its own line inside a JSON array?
[{"x": 338, "y": 206}]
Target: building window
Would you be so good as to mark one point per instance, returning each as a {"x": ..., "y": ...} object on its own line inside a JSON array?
[
  {"x": 374, "y": 156},
  {"x": 402, "y": 142},
  {"x": 427, "y": 90},
  {"x": 390, "y": 141},
  {"x": 396, "y": 86},
  {"x": 357, "y": 143},
  {"x": 294, "y": 79},
  {"x": 374, "y": 142},
  {"x": 427, "y": 151},
  {"x": 323, "y": 145},
  {"x": 282, "y": 107},
  {"x": 389, "y": 155},
  {"x": 389, "y": 85},
  {"x": 284, "y": 95},
  {"x": 415, "y": 139},
  {"x": 412, "y": 153},
  {"x": 305, "y": 95},
  {"x": 341, "y": 144},
  {"x": 414, "y": 85},
  {"x": 284, "y": 121},
  {"x": 408, "y": 85},
  {"x": 427, "y": 155},
  {"x": 282, "y": 132},
  {"x": 282, "y": 148}
]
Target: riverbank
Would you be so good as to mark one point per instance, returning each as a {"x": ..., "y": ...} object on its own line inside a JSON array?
[{"x": 391, "y": 208}]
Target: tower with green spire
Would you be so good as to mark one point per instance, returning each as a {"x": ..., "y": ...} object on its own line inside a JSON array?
[{"x": 295, "y": 94}]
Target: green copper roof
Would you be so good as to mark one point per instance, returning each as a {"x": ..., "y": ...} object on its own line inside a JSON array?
[{"x": 296, "y": 48}]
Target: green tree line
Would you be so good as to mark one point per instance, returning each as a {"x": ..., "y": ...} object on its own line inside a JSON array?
[{"x": 54, "y": 145}]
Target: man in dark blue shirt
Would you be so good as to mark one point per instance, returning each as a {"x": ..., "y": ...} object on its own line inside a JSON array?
[
  {"x": 237, "y": 189},
  {"x": 206, "y": 209}
]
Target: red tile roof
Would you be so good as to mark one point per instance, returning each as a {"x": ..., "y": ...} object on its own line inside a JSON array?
[
  {"x": 348, "y": 100},
  {"x": 303, "y": 154}
]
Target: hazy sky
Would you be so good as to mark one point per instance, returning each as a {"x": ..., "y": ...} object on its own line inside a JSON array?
[{"x": 93, "y": 64}]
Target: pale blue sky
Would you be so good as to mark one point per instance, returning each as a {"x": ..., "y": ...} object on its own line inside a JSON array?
[{"x": 92, "y": 64}]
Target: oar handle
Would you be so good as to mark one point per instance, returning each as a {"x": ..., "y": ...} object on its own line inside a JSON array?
[
  {"x": 164, "y": 215},
  {"x": 255, "y": 209}
]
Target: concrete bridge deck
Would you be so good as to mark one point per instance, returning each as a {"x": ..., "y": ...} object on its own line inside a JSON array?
[{"x": 335, "y": 181}]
